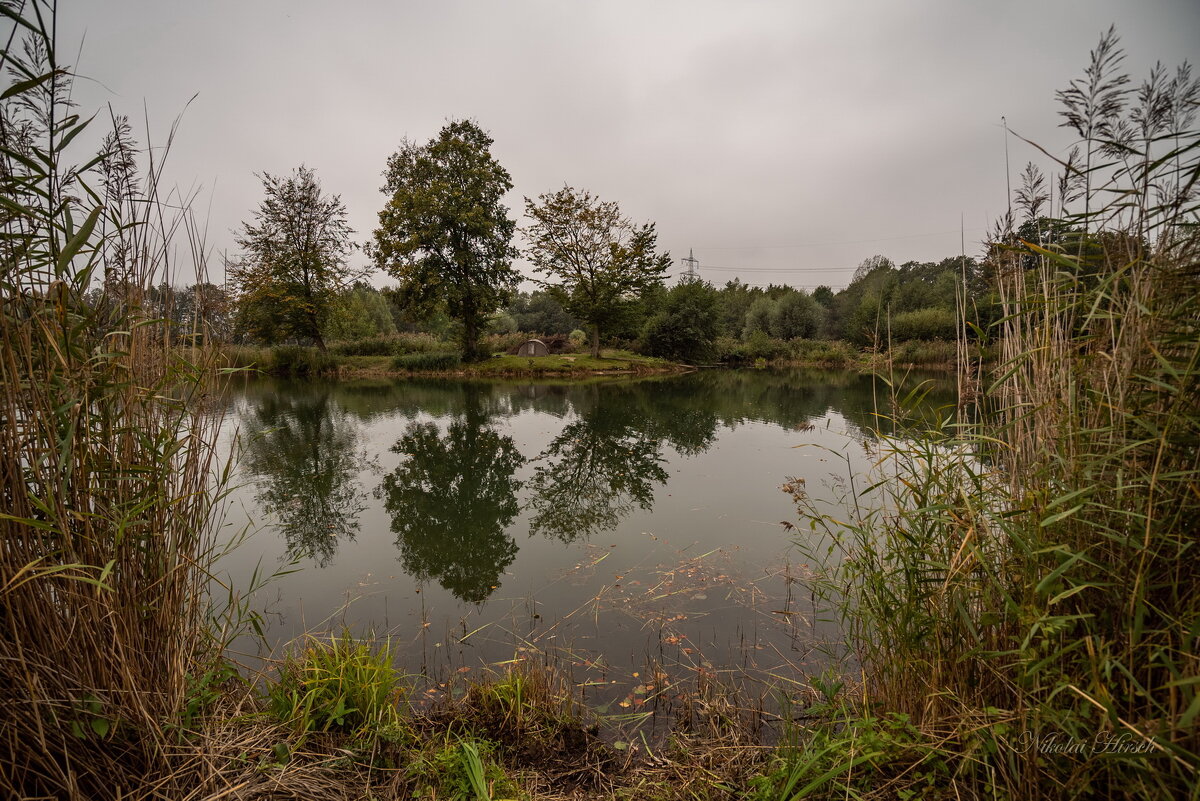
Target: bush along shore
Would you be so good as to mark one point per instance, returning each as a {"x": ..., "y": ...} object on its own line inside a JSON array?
[
  {"x": 423, "y": 355},
  {"x": 1018, "y": 590}
]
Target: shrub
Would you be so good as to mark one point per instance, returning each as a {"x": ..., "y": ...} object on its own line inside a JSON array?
[
  {"x": 796, "y": 314},
  {"x": 917, "y": 352},
  {"x": 686, "y": 328},
  {"x": 760, "y": 346},
  {"x": 823, "y": 352},
  {"x": 374, "y": 346},
  {"x": 931, "y": 323},
  {"x": 294, "y": 360},
  {"x": 418, "y": 362},
  {"x": 505, "y": 343}
]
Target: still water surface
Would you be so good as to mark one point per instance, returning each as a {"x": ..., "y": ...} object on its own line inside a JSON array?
[{"x": 614, "y": 524}]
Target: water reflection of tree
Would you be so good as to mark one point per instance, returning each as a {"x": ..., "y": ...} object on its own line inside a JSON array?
[
  {"x": 451, "y": 500},
  {"x": 302, "y": 450},
  {"x": 595, "y": 472}
]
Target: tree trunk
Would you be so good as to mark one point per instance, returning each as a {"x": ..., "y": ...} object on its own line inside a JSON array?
[
  {"x": 596, "y": 341},
  {"x": 470, "y": 339}
]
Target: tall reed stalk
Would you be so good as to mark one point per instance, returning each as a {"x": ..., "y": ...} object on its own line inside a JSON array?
[
  {"x": 106, "y": 450},
  {"x": 1028, "y": 590}
]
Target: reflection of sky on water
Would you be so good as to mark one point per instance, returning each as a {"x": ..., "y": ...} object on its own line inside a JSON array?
[{"x": 617, "y": 522}]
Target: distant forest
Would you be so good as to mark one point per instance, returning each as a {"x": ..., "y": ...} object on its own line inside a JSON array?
[{"x": 692, "y": 320}]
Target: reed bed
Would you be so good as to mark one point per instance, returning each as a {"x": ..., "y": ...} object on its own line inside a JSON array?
[
  {"x": 106, "y": 452},
  {"x": 1026, "y": 592}
]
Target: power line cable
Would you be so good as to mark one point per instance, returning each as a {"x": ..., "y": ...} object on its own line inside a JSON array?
[{"x": 837, "y": 242}]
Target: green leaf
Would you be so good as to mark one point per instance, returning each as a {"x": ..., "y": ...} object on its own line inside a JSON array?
[
  {"x": 78, "y": 240},
  {"x": 1052, "y": 519},
  {"x": 101, "y": 725},
  {"x": 25, "y": 86}
]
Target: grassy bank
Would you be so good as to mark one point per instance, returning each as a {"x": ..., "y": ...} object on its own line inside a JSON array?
[
  {"x": 306, "y": 362},
  {"x": 336, "y": 721}
]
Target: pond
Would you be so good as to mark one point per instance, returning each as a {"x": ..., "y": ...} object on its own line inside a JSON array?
[{"x": 612, "y": 525}]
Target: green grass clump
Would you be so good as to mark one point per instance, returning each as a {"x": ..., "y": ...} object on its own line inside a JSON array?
[
  {"x": 337, "y": 684},
  {"x": 848, "y": 755},
  {"x": 421, "y": 362}
]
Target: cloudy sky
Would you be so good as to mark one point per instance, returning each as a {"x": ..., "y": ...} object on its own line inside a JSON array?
[{"x": 781, "y": 141}]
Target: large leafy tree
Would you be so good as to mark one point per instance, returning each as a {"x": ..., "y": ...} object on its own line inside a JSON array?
[
  {"x": 293, "y": 259},
  {"x": 598, "y": 261},
  {"x": 444, "y": 232}
]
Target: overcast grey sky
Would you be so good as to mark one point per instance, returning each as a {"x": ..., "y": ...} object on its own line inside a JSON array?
[{"x": 782, "y": 141}]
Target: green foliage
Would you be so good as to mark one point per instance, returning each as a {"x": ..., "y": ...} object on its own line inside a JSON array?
[
  {"x": 596, "y": 260},
  {"x": 358, "y": 313},
  {"x": 686, "y": 329},
  {"x": 462, "y": 770},
  {"x": 294, "y": 360},
  {"x": 759, "y": 345},
  {"x": 846, "y": 755},
  {"x": 501, "y": 323},
  {"x": 929, "y": 323},
  {"x": 827, "y": 353},
  {"x": 937, "y": 353},
  {"x": 336, "y": 684},
  {"x": 421, "y": 362},
  {"x": 205, "y": 689},
  {"x": 540, "y": 313},
  {"x": 444, "y": 232},
  {"x": 293, "y": 260},
  {"x": 796, "y": 314},
  {"x": 759, "y": 316}
]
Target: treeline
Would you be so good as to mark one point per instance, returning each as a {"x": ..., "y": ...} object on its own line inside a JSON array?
[
  {"x": 450, "y": 244},
  {"x": 692, "y": 321}
]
